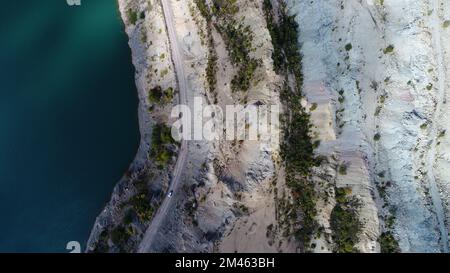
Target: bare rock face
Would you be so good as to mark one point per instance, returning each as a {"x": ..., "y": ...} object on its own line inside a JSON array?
[{"x": 378, "y": 71}]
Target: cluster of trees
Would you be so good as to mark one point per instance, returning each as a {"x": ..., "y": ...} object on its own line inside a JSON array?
[
  {"x": 120, "y": 236},
  {"x": 344, "y": 221},
  {"x": 238, "y": 39},
  {"x": 297, "y": 151},
  {"x": 284, "y": 34},
  {"x": 389, "y": 49},
  {"x": 242, "y": 80},
  {"x": 211, "y": 69},
  {"x": 224, "y": 7},
  {"x": 388, "y": 243},
  {"x": 138, "y": 206},
  {"x": 204, "y": 9},
  {"x": 158, "y": 95},
  {"x": 161, "y": 140},
  {"x": 297, "y": 148},
  {"x": 132, "y": 16}
]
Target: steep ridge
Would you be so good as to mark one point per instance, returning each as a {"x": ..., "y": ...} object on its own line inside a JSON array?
[
  {"x": 363, "y": 162},
  {"x": 382, "y": 65}
]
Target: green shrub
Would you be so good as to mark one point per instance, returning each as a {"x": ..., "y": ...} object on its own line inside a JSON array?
[
  {"x": 348, "y": 47},
  {"x": 119, "y": 236},
  {"x": 203, "y": 8},
  {"x": 132, "y": 16},
  {"x": 341, "y": 194},
  {"x": 316, "y": 144},
  {"x": 164, "y": 72},
  {"x": 343, "y": 170},
  {"x": 389, "y": 49},
  {"x": 168, "y": 95},
  {"x": 142, "y": 207},
  {"x": 242, "y": 80},
  {"x": 377, "y": 137},
  {"x": 163, "y": 157},
  {"x": 224, "y": 8},
  {"x": 161, "y": 135},
  {"x": 155, "y": 94},
  {"x": 388, "y": 243},
  {"x": 161, "y": 138},
  {"x": 378, "y": 110},
  {"x": 128, "y": 217},
  {"x": 446, "y": 24}
]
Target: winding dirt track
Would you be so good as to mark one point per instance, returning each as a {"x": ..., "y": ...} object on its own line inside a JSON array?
[{"x": 177, "y": 57}]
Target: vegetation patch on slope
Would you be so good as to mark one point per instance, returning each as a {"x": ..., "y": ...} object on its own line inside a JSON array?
[
  {"x": 345, "y": 224},
  {"x": 160, "y": 96},
  {"x": 298, "y": 154},
  {"x": 297, "y": 149},
  {"x": 284, "y": 34},
  {"x": 238, "y": 40},
  {"x": 161, "y": 141},
  {"x": 388, "y": 242},
  {"x": 211, "y": 69}
]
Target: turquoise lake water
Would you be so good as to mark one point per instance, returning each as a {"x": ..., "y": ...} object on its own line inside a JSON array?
[{"x": 68, "y": 121}]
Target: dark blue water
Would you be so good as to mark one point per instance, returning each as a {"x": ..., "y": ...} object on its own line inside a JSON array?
[{"x": 68, "y": 121}]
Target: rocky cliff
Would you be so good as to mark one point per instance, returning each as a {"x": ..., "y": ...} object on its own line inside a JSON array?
[{"x": 361, "y": 163}]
